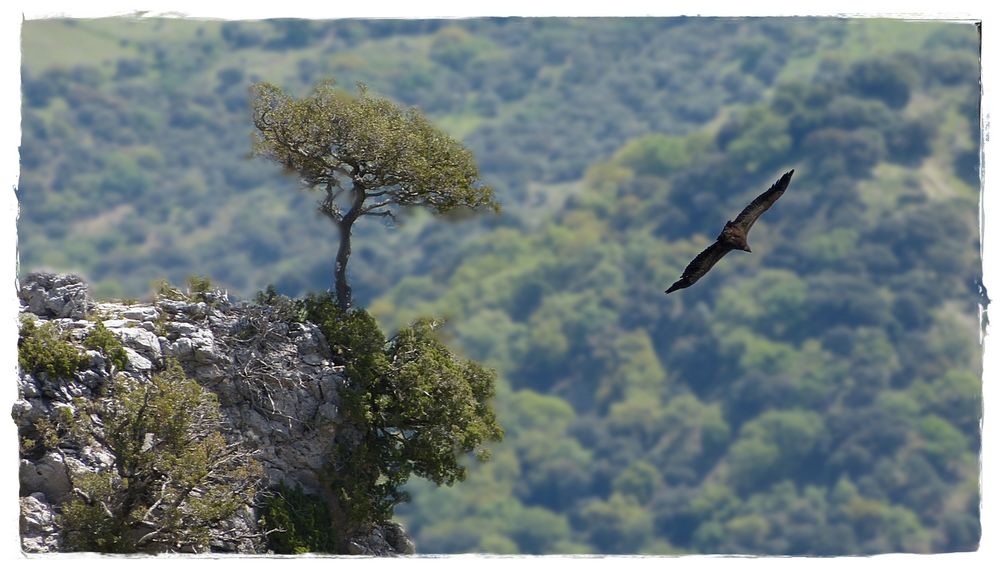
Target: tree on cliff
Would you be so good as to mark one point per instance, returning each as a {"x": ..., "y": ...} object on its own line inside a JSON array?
[
  {"x": 368, "y": 157},
  {"x": 409, "y": 407}
]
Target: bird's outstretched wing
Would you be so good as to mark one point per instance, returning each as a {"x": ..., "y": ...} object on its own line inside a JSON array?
[
  {"x": 761, "y": 203},
  {"x": 700, "y": 265}
]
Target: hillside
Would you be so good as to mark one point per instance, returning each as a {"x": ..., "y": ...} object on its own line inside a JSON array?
[
  {"x": 820, "y": 396},
  {"x": 136, "y": 131},
  {"x": 817, "y": 397}
]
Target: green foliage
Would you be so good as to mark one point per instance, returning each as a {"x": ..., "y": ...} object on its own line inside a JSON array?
[
  {"x": 122, "y": 176},
  {"x": 854, "y": 306},
  {"x": 44, "y": 349},
  {"x": 163, "y": 288},
  {"x": 530, "y": 411},
  {"x": 889, "y": 80},
  {"x": 542, "y": 86},
  {"x": 415, "y": 409},
  {"x": 773, "y": 445},
  {"x": 538, "y": 531},
  {"x": 106, "y": 342},
  {"x": 288, "y": 309},
  {"x": 747, "y": 530},
  {"x": 820, "y": 357},
  {"x": 198, "y": 286},
  {"x": 371, "y": 140},
  {"x": 640, "y": 480},
  {"x": 381, "y": 156},
  {"x": 638, "y": 372},
  {"x": 455, "y": 48},
  {"x": 763, "y": 138},
  {"x": 805, "y": 362},
  {"x": 43, "y": 435},
  {"x": 617, "y": 525},
  {"x": 87, "y": 526},
  {"x": 301, "y": 523},
  {"x": 174, "y": 475},
  {"x": 198, "y": 290},
  {"x": 944, "y": 444},
  {"x": 956, "y": 396},
  {"x": 770, "y": 301},
  {"x": 660, "y": 155}
]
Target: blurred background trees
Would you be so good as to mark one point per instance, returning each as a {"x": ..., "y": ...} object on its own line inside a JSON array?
[{"x": 820, "y": 397}]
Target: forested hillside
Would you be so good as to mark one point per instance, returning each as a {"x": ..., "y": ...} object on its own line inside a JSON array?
[
  {"x": 820, "y": 396},
  {"x": 136, "y": 132}
]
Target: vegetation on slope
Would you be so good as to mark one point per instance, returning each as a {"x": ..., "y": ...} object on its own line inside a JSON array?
[
  {"x": 135, "y": 166},
  {"x": 820, "y": 396}
]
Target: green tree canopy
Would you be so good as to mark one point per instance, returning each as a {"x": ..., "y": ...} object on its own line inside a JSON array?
[
  {"x": 367, "y": 155},
  {"x": 174, "y": 477},
  {"x": 412, "y": 408}
]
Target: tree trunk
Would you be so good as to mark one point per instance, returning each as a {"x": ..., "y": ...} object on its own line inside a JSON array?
[
  {"x": 333, "y": 486},
  {"x": 341, "y": 287},
  {"x": 340, "y": 531}
]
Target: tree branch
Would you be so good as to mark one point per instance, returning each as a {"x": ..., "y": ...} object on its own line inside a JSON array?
[
  {"x": 385, "y": 213},
  {"x": 375, "y": 206},
  {"x": 328, "y": 206}
]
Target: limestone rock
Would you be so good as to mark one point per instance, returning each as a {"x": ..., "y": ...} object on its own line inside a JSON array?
[
  {"x": 141, "y": 313},
  {"x": 54, "y": 296},
  {"x": 27, "y": 386},
  {"x": 39, "y": 533},
  {"x": 96, "y": 359},
  {"x": 384, "y": 540},
  {"x": 184, "y": 310},
  {"x": 142, "y": 341},
  {"x": 398, "y": 539},
  {"x": 136, "y": 362},
  {"x": 48, "y": 475}
]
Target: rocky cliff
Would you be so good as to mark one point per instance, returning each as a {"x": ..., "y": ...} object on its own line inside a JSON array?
[{"x": 276, "y": 385}]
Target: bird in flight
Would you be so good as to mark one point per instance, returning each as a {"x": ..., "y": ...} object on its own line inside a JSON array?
[{"x": 733, "y": 236}]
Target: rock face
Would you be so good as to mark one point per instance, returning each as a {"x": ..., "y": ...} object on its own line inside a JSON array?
[
  {"x": 276, "y": 384},
  {"x": 387, "y": 538},
  {"x": 54, "y": 296},
  {"x": 39, "y": 533}
]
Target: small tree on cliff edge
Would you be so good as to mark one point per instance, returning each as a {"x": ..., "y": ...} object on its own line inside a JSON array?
[{"x": 367, "y": 155}]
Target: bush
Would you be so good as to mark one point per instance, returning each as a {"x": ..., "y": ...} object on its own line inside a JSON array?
[
  {"x": 301, "y": 522},
  {"x": 44, "y": 349},
  {"x": 198, "y": 285},
  {"x": 174, "y": 476},
  {"x": 164, "y": 289},
  {"x": 106, "y": 342},
  {"x": 199, "y": 289},
  {"x": 284, "y": 307}
]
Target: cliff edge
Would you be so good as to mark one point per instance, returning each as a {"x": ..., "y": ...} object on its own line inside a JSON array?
[{"x": 274, "y": 379}]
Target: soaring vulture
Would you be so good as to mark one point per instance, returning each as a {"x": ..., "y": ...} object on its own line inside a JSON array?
[{"x": 733, "y": 236}]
